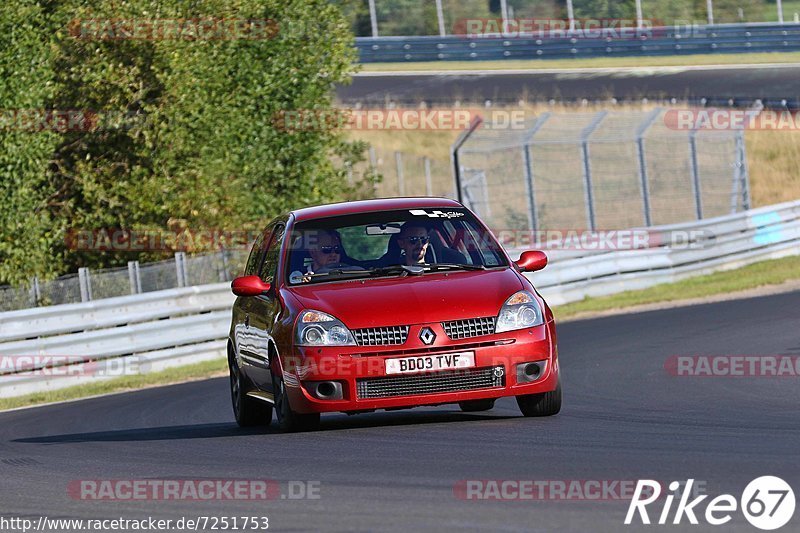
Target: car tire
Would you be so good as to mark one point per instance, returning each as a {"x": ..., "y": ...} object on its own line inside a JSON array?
[
  {"x": 543, "y": 404},
  {"x": 288, "y": 420},
  {"x": 474, "y": 406},
  {"x": 248, "y": 411}
]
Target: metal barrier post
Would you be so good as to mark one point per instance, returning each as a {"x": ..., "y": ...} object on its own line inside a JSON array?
[
  {"x": 180, "y": 266},
  {"x": 85, "y": 284},
  {"x": 134, "y": 277},
  {"x": 587, "y": 167},
  {"x": 779, "y": 4},
  {"x": 698, "y": 201},
  {"x": 643, "y": 164}
]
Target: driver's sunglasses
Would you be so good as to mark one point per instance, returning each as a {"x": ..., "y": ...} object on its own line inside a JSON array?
[
  {"x": 415, "y": 240},
  {"x": 331, "y": 249}
]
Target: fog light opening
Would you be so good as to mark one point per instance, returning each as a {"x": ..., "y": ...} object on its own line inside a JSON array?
[
  {"x": 532, "y": 371},
  {"x": 326, "y": 389}
]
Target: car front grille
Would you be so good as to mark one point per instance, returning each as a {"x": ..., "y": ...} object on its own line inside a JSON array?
[
  {"x": 471, "y": 327},
  {"x": 432, "y": 383},
  {"x": 387, "y": 336}
]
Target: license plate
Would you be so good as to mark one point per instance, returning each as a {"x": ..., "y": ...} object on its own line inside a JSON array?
[{"x": 427, "y": 363}]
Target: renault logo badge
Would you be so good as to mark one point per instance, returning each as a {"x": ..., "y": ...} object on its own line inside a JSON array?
[{"x": 427, "y": 336}]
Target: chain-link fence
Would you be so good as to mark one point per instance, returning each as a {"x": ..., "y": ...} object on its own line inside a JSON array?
[
  {"x": 387, "y": 18},
  {"x": 87, "y": 285},
  {"x": 602, "y": 170},
  {"x": 409, "y": 175}
]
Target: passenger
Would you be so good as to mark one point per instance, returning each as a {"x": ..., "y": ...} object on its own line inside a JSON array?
[{"x": 326, "y": 252}]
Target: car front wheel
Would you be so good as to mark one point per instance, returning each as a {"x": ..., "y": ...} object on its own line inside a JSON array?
[
  {"x": 288, "y": 420},
  {"x": 543, "y": 404},
  {"x": 248, "y": 411}
]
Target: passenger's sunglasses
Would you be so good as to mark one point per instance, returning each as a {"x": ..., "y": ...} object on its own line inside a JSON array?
[
  {"x": 331, "y": 249},
  {"x": 415, "y": 240}
]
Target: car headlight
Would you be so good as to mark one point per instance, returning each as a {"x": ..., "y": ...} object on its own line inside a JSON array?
[
  {"x": 519, "y": 312},
  {"x": 315, "y": 328}
]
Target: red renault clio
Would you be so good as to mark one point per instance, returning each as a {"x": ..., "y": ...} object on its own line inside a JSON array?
[{"x": 387, "y": 304}]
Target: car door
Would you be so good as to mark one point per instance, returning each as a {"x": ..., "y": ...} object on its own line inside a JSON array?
[
  {"x": 266, "y": 309},
  {"x": 246, "y": 342}
]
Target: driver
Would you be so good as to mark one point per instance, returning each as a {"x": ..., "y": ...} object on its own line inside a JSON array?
[{"x": 413, "y": 241}]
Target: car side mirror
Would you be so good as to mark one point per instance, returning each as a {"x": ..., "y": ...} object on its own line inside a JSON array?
[
  {"x": 531, "y": 261},
  {"x": 249, "y": 286}
]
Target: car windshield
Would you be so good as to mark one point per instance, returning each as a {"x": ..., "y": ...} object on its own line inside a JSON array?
[{"x": 390, "y": 243}]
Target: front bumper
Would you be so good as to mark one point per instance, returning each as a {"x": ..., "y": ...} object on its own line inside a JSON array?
[{"x": 365, "y": 386}]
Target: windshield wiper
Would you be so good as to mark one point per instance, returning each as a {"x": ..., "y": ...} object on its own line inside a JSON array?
[
  {"x": 453, "y": 266},
  {"x": 328, "y": 274},
  {"x": 398, "y": 269}
]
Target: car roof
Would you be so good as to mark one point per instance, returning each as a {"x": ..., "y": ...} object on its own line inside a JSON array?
[{"x": 366, "y": 206}]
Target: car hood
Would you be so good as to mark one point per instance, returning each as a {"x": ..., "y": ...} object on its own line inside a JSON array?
[{"x": 412, "y": 299}]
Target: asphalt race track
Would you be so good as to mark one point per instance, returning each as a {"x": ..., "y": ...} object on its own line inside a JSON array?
[
  {"x": 625, "y": 418},
  {"x": 744, "y": 85}
]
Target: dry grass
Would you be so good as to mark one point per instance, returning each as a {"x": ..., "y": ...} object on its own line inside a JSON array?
[{"x": 773, "y": 156}]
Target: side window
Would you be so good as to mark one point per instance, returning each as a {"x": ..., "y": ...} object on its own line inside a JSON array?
[
  {"x": 255, "y": 254},
  {"x": 269, "y": 266}
]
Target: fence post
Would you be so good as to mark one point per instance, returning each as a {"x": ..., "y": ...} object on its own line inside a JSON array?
[
  {"x": 428, "y": 179},
  {"x": 587, "y": 167},
  {"x": 530, "y": 186},
  {"x": 85, "y": 283},
  {"x": 180, "y": 266},
  {"x": 698, "y": 201},
  {"x": 743, "y": 176},
  {"x": 643, "y": 163},
  {"x": 440, "y": 17},
  {"x": 779, "y": 4},
  {"x": 134, "y": 277},
  {"x": 223, "y": 274},
  {"x": 455, "y": 147},
  {"x": 710, "y": 10},
  {"x": 373, "y": 18},
  {"x": 373, "y": 166},
  {"x": 36, "y": 291},
  {"x": 401, "y": 185}
]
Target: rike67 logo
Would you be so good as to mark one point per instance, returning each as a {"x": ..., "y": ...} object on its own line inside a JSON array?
[{"x": 767, "y": 503}]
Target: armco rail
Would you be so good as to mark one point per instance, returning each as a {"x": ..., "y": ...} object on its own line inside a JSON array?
[
  {"x": 157, "y": 330},
  {"x": 723, "y": 38}
]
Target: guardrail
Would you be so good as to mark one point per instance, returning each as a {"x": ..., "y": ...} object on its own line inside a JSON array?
[
  {"x": 682, "y": 40},
  {"x": 720, "y": 243},
  {"x": 157, "y": 330}
]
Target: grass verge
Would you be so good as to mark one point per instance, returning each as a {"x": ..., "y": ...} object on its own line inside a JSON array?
[
  {"x": 600, "y": 62},
  {"x": 765, "y": 273},
  {"x": 180, "y": 374}
]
